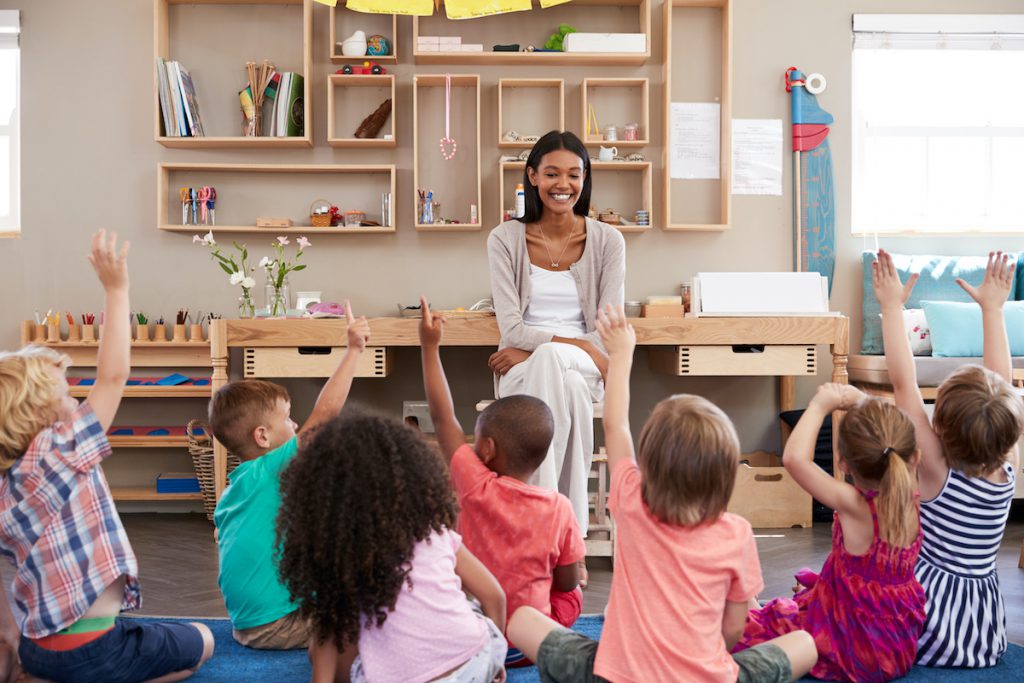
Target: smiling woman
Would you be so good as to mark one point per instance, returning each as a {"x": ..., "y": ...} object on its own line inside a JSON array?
[{"x": 551, "y": 270}]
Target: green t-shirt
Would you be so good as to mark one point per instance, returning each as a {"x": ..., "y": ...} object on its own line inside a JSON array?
[{"x": 245, "y": 518}]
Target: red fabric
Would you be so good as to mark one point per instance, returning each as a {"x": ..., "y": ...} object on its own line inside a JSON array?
[
  {"x": 566, "y": 607},
  {"x": 865, "y": 612},
  {"x": 520, "y": 532},
  {"x": 70, "y": 641}
]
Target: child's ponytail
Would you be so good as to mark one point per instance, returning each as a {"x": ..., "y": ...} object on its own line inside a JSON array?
[{"x": 897, "y": 513}]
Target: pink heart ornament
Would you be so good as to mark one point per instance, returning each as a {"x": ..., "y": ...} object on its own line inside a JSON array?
[{"x": 445, "y": 152}]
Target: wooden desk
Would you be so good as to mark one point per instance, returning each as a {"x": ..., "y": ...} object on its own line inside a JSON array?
[{"x": 831, "y": 330}]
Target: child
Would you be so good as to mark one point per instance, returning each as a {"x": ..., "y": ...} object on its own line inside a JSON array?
[
  {"x": 75, "y": 568},
  {"x": 525, "y": 535},
  {"x": 368, "y": 553},
  {"x": 252, "y": 418},
  {"x": 865, "y": 609},
  {"x": 968, "y": 459},
  {"x": 685, "y": 569}
]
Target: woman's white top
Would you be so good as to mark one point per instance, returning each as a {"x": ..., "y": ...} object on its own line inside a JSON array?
[{"x": 555, "y": 303}]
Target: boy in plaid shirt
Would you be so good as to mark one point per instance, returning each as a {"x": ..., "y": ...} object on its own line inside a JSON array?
[{"x": 75, "y": 568}]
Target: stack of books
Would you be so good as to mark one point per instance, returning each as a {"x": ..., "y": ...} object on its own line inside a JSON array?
[
  {"x": 287, "y": 106},
  {"x": 178, "y": 102}
]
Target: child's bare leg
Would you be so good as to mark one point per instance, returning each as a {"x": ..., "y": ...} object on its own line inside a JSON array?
[
  {"x": 330, "y": 665},
  {"x": 800, "y": 649},
  {"x": 207, "y": 635},
  {"x": 528, "y": 628}
]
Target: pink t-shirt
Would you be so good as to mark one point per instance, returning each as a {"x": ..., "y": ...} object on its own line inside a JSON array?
[
  {"x": 520, "y": 532},
  {"x": 669, "y": 591},
  {"x": 433, "y": 628}
]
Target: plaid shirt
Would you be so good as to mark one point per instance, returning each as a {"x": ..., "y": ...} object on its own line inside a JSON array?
[{"x": 58, "y": 526}]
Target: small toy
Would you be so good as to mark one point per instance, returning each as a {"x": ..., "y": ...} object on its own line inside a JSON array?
[
  {"x": 378, "y": 46},
  {"x": 372, "y": 124},
  {"x": 362, "y": 69},
  {"x": 555, "y": 42}
]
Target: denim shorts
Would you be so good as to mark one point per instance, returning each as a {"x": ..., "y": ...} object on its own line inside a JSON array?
[{"x": 130, "y": 652}]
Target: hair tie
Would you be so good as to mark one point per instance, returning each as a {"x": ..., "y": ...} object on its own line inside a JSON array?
[{"x": 888, "y": 450}]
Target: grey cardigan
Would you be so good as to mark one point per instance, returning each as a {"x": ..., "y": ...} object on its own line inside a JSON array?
[{"x": 599, "y": 274}]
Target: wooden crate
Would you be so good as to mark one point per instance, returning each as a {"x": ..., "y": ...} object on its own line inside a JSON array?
[
  {"x": 747, "y": 359},
  {"x": 766, "y": 495},
  {"x": 312, "y": 361}
]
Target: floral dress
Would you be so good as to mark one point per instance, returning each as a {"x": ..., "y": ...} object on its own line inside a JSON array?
[{"x": 864, "y": 611}]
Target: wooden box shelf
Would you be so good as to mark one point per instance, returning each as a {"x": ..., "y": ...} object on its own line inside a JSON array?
[
  {"x": 636, "y": 190},
  {"x": 214, "y": 39},
  {"x": 350, "y": 116},
  {"x": 705, "y": 26},
  {"x": 597, "y": 16},
  {"x": 142, "y": 493},
  {"x": 766, "y": 495},
  {"x": 247, "y": 191},
  {"x": 462, "y": 173},
  {"x": 344, "y": 22},
  {"x": 535, "y": 106},
  {"x": 616, "y": 102},
  {"x": 144, "y": 441}
]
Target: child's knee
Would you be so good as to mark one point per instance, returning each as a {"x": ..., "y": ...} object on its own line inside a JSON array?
[{"x": 208, "y": 643}]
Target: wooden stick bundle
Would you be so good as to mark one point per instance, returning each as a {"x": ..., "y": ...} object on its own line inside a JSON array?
[{"x": 259, "y": 78}]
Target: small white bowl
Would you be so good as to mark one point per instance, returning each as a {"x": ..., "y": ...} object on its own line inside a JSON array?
[{"x": 353, "y": 48}]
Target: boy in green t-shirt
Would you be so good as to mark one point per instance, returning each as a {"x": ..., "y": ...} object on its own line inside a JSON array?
[{"x": 252, "y": 418}]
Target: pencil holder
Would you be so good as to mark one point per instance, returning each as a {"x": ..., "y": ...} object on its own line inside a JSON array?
[
  {"x": 52, "y": 333},
  {"x": 195, "y": 333},
  {"x": 99, "y": 332},
  {"x": 179, "y": 333},
  {"x": 88, "y": 333},
  {"x": 39, "y": 333},
  {"x": 142, "y": 332},
  {"x": 74, "y": 333}
]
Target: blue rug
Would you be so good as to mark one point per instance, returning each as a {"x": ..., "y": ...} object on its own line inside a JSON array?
[{"x": 232, "y": 662}]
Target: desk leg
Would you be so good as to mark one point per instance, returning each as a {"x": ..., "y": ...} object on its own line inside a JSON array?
[
  {"x": 841, "y": 376},
  {"x": 787, "y": 401},
  {"x": 219, "y": 361}
]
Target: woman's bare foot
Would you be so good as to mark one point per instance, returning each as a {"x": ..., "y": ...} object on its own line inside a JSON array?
[{"x": 582, "y": 573}]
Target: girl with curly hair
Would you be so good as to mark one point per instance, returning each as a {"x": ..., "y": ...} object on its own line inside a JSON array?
[{"x": 369, "y": 553}]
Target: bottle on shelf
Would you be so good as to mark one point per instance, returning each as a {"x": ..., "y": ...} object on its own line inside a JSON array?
[{"x": 520, "y": 201}]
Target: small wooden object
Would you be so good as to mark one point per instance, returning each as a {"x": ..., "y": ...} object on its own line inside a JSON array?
[
  {"x": 195, "y": 333},
  {"x": 88, "y": 333},
  {"x": 142, "y": 332},
  {"x": 179, "y": 333},
  {"x": 372, "y": 124},
  {"x": 663, "y": 311},
  {"x": 74, "y": 333},
  {"x": 766, "y": 495},
  {"x": 52, "y": 334},
  {"x": 39, "y": 333},
  {"x": 273, "y": 222},
  {"x": 99, "y": 332}
]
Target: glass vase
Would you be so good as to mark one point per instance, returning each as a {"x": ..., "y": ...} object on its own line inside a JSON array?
[
  {"x": 246, "y": 306},
  {"x": 278, "y": 298}
]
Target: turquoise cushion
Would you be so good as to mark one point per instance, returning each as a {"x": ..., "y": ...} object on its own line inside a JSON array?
[
  {"x": 937, "y": 283},
  {"x": 956, "y": 327}
]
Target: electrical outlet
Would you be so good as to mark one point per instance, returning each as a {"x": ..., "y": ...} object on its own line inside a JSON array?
[{"x": 421, "y": 411}]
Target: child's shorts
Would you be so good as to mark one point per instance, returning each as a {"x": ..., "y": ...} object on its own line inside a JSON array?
[
  {"x": 568, "y": 657},
  {"x": 132, "y": 651}
]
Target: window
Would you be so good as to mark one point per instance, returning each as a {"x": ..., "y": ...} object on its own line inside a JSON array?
[
  {"x": 10, "y": 143},
  {"x": 938, "y": 124}
]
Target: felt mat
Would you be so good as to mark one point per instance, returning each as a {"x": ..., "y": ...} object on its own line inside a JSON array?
[{"x": 232, "y": 662}]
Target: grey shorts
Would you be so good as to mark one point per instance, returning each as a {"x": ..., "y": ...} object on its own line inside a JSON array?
[{"x": 568, "y": 657}]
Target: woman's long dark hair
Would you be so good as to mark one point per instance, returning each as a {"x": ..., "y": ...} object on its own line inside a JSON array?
[{"x": 551, "y": 142}]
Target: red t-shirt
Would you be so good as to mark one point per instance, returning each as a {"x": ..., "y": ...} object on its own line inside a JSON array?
[
  {"x": 520, "y": 532},
  {"x": 671, "y": 583}
]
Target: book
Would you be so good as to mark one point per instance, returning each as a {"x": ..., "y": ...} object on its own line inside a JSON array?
[
  {"x": 168, "y": 88},
  {"x": 281, "y": 119},
  {"x": 174, "y": 83},
  {"x": 161, "y": 88},
  {"x": 191, "y": 101},
  {"x": 296, "y": 124}
]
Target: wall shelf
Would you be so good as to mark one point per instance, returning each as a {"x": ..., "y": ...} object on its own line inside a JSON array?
[
  {"x": 129, "y": 493},
  {"x": 344, "y": 22},
  {"x": 531, "y": 112},
  {"x": 152, "y": 391},
  {"x": 709, "y": 26},
  {"x": 428, "y": 93},
  {"x": 143, "y": 441},
  {"x": 616, "y": 102},
  {"x": 283, "y": 29},
  {"x": 248, "y": 191},
  {"x": 384, "y": 85}
]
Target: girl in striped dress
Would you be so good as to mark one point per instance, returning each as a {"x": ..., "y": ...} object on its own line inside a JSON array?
[
  {"x": 968, "y": 460},
  {"x": 865, "y": 609}
]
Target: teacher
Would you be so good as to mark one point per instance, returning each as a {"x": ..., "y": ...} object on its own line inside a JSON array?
[{"x": 552, "y": 269}]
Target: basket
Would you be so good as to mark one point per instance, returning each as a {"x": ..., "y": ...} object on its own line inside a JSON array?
[
  {"x": 200, "y": 447},
  {"x": 320, "y": 215}
]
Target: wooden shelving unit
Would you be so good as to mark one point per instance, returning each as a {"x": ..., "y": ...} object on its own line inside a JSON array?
[
  {"x": 643, "y": 168},
  {"x": 141, "y": 493},
  {"x": 724, "y": 96},
  {"x": 524, "y": 93},
  {"x": 624, "y": 112},
  {"x": 143, "y": 441},
  {"x": 259, "y": 195},
  {"x": 466, "y": 160},
  {"x": 370, "y": 24},
  {"x": 600, "y": 16},
  {"x": 379, "y": 82},
  {"x": 207, "y": 29},
  {"x": 149, "y": 391}
]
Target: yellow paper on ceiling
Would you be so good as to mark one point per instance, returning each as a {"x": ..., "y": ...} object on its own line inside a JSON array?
[
  {"x": 551, "y": 3},
  {"x": 470, "y": 9},
  {"x": 419, "y": 8}
]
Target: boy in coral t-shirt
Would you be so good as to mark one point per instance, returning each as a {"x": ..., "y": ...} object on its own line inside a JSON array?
[{"x": 525, "y": 535}]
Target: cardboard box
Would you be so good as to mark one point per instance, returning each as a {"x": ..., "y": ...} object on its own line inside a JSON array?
[
  {"x": 662, "y": 311},
  {"x": 427, "y": 40},
  {"x": 605, "y": 42},
  {"x": 428, "y": 47},
  {"x": 472, "y": 47}
]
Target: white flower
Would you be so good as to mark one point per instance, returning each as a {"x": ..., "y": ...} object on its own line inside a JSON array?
[
  {"x": 282, "y": 240},
  {"x": 248, "y": 283},
  {"x": 197, "y": 238},
  {"x": 303, "y": 242},
  {"x": 208, "y": 239},
  {"x": 236, "y": 277},
  {"x": 265, "y": 262}
]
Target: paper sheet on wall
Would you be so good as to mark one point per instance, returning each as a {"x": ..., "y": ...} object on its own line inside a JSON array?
[
  {"x": 757, "y": 156},
  {"x": 695, "y": 140},
  {"x": 470, "y": 9},
  {"x": 420, "y": 8}
]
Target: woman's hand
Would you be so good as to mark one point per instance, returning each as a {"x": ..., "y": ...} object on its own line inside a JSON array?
[
  {"x": 600, "y": 359},
  {"x": 503, "y": 360}
]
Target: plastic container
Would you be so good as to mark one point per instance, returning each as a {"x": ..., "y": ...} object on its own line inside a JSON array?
[
  {"x": 520, "y": 201},
  {"x": 632, "y": 309}
]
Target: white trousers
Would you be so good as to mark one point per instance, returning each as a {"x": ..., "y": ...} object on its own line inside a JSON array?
[{"x": 564, "y": 377}]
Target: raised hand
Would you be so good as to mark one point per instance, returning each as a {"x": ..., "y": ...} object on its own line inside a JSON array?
[
  {"x": 109, "y": 262},
  {"x": 358, "y": 329},
  {"x": 617, "y": 335},
  {"x": 888, "y": 289},
  {"x": 995, "y": 287},
  {"x": 431, "y": 326},
  {"x": 833, "y": 396}
]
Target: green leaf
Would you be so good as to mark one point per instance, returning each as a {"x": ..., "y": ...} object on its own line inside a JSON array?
[
  {"x": 226, "y": 268},
  {"x": 301, "y": 267}
]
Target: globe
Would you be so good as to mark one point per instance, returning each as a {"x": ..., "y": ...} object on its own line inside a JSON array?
[{"x": 377, "y": 46}]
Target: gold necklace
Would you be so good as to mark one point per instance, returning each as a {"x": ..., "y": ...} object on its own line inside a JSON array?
[{"x": 554, "y": 263}]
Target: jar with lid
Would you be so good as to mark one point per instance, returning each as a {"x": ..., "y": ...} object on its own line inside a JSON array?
[{"x": 631, "y": 132}]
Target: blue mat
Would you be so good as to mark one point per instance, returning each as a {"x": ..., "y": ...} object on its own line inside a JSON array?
[{"x": 232, "y": 662}]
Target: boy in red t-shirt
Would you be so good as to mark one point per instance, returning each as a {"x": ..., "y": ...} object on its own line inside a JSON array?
[{"x": 525, "y": 535}]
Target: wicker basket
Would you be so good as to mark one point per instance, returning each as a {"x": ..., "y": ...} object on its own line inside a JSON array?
[
  {"x": 320, "y": 215},
  {"x": 200, "y": 447}
]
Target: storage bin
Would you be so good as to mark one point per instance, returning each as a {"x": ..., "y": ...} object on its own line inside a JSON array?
[
  {"x": 312, "y": 361},
  {"x": 741, "y": 359},
  {"x": 766, "y": 495}
]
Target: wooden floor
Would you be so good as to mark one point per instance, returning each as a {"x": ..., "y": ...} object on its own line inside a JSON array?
[{"x": 178, "y": 566}]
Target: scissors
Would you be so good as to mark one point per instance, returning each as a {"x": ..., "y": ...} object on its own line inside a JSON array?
[
  {"x": 194, "y": 196},
  {"x": 211, "y": 204},
  {"x": 184, "y": 194},
  {"x": 203, "y": 194}
]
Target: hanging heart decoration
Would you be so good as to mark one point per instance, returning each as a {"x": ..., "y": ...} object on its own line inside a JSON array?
[{"x": 447, "y": 143}]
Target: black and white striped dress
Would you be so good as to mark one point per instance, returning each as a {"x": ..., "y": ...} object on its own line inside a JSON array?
[{"x": 963, "y": 527}]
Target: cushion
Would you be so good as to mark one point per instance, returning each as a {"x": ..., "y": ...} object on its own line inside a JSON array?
[
  {"x": 956, "y": 327},
  {"x": 937, "y": 283},
  {"x": 918, "y": 334}
]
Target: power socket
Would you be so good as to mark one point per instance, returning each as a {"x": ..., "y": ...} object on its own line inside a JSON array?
[{"x": 421, "y": 411}]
